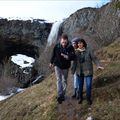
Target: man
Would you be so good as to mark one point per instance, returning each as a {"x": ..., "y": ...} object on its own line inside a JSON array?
[{"x": 63, "y": 54}]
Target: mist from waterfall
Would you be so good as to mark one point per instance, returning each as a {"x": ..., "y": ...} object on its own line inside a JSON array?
[{"x": 54, "y": 33}]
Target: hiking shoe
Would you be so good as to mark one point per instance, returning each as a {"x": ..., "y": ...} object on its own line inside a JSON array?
[
  {"x": 89, "y": 101},
  {"x": 77, "y": 97},
  {"x": 59, "y": 100},
  {"x": 74, "y": 96},
  {"x": 80, "y": 101},
  {"x": 62, "y": 98}
]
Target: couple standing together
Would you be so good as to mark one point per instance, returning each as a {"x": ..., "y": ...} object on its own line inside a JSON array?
[{"x": 82, "y": 58}]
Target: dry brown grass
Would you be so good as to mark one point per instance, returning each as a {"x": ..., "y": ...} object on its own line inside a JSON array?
[
  {"x": 38, "y": 102},
  {"x": 111, "y": 52},
  {"x": 35, "y": 103}
]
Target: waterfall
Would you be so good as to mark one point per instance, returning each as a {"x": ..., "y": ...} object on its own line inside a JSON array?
[{"x": 54, "y": 33}]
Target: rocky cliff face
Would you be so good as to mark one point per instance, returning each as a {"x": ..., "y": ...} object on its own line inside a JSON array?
[
  {"x": 25, "y": 37},
  {"x": 98, "y": 26},
  {"x": 22, "y": 37},
  {"x": 33, "y": 32}
]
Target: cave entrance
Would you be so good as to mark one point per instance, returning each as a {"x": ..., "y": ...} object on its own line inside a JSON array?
[{"x": 10, "y": 48}]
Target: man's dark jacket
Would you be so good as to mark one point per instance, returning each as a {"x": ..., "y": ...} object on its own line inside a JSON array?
[{"x": 59, "y": 60}]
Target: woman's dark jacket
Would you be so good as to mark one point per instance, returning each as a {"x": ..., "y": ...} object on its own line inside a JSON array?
[
  {"x": 83, "y": 64},
  {"x": 59, "y": 60}
]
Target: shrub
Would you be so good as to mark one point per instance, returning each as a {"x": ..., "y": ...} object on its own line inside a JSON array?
[{"x": 6, "y": 81}]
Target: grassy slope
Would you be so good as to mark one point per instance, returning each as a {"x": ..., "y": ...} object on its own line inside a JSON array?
[
  {"x": 38, "y": 102},
  {"x": 106, "y": 98},
  {"x": 35, "y": 103},
  {"x": 106, "y": 86},
  {"x": 111, "y": 52},
  {"x": 106, "y": 93}
]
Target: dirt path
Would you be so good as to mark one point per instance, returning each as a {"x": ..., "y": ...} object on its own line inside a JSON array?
[{"x": 70, "y": 109}]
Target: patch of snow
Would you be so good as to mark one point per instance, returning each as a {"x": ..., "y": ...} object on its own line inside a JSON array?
[
  {"x": 89, "y": 118},
  {"x": 39, "y": 77},
  {"x": 22, "y": 60},
  {"x": 42, "y": 22},
  {"x": 25, "y": 72},
  {"x": 2, "y": 97},
  {"x": 5, "y": 97},
  {"x": 20, "y": 90}
]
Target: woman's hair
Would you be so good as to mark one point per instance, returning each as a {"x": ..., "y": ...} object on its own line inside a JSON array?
[{"x": 83, "y": 41}]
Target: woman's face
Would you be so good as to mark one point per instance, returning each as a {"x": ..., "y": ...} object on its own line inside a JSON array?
[
  {"x": 74, "y": 45},
  {"x": 80, "y": 45}
]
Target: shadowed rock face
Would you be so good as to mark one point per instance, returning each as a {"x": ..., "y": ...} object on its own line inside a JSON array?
[
  {"x": 98, "y": 26},
  {"x": 25, "y": 37},
  {"x": 12, "y": 48}
]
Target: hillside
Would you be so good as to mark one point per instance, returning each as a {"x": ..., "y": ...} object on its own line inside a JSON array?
[
  {"x": 98, "y": 26},
  {"x": 111, "y": 53},
  {"x": 106, "y": 92},
  {"x": 106, "y": 98},
  {"x": 35, "y": 103},
  {"x": 38, "y": 102}
]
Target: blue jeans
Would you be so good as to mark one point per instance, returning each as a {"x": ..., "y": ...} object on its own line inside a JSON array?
[
  {"x": 76, "y": 81},
  {"x": 88, "y": 85}
]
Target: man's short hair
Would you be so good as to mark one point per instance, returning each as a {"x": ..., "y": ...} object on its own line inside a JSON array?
[{"x": 64, "y": 36}]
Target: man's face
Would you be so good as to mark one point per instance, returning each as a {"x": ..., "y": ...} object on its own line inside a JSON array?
[{"x": 63, "y": 42}]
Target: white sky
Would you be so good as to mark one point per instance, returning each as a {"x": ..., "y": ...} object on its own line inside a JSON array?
[{"x": 47, "y": 9}]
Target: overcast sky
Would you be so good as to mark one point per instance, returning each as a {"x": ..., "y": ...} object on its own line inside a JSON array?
[{"x": 49, "y": 10}]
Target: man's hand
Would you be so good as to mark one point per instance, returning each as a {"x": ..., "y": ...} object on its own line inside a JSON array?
[
  {"x": 51, "y": 65},
  {"x": 65, "y": 56}
]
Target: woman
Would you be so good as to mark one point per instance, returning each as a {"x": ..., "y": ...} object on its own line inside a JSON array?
[{"x": 85, "y": 59}]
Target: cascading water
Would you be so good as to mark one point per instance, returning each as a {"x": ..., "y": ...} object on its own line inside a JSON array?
[{"x": 54, "y": 33}]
